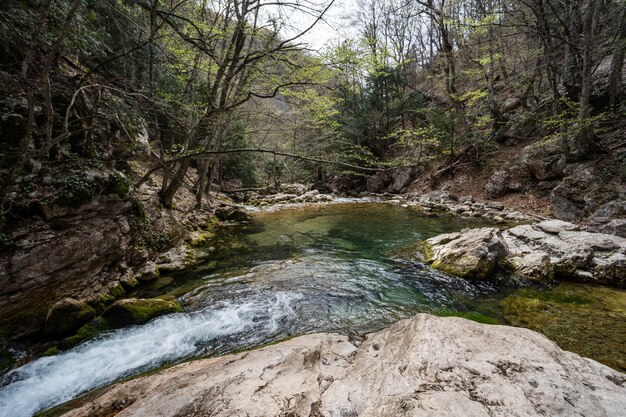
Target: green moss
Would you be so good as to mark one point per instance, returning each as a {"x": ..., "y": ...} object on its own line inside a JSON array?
[
  {"x": 65, "y": 319},
  {"x": 88, "y": 331},
  {"x": 139, "y": 311},
  {"x": 118, "y": 184},
  {"x": 54, "y": 350},
  {"x": 202, "y": 239},
  {"x": 590, "y": 321},
  {"x": 470, "y": 315},
  {"x": 114, "y": 293}
]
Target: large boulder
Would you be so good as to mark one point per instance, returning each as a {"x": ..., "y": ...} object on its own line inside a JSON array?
[
  {"x": 377, "y": 182},
  {"x": 472, "y": 253},
  {"x": 296, "y": 188},
  {"x": 558, "y": 249},
  {"x": 400, "y": 179},
  {"x": 78, "y": 254},
  {"x": 425, "y": 366},
  {"x": 506, "y": 181},
  {"x": 609, "y": 218},
  {"x": 576, "y": 196},
  {"x": 546, "y": 162}
]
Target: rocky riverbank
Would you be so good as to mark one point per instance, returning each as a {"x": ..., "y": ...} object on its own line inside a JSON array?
[
  {"x": 420, "y": 367},
  {"x": 551, "y": 249}
]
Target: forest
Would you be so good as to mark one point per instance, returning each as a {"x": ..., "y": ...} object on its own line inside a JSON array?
[
  {"x": 231, "y": 91},
  {"x": 312, "y": 179}
]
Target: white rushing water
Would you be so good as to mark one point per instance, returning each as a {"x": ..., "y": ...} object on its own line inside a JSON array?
[{"x": 52, "y": 380}]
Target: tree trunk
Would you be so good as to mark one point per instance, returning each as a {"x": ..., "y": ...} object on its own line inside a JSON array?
[
  {"x": 580, "y": 144},
  {"x": 617, "y": 62},
  {"x": 168, "y": 192}
]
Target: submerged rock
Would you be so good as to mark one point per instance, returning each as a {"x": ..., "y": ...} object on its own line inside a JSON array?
[
  {"x": 567, "y": 312},
  {"x": 425, "y": 366},
  {"x": 472, "y": 253}
]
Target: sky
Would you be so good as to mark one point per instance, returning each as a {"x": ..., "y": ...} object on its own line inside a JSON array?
[{"x": 337, "y": 24}]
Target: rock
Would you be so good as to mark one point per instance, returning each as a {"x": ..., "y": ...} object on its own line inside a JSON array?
[
  {"x": 437, "y": 197},
  {"x": 66, "y": 316},
  {"x": 547, "y": 185},
  {"x": 401, "y": 178},
  {"x": 535, "y": 266},
  {"x": 76, "y": 255},
  {"x": 575, "y": 196},
  {"x": 556, "y": 226},
  {"x": 615, "y": 227},
  {"x": 138, "y": 311},
  {"x": 425, "y": 366},
  {"x": 611, "y": 270},
  {"x": 609, "y": 218},
  {"x": 547, "y": 168},
  {"x": 494, "y": 205},
  {"x": 497, "y": 185},
  {"x": 505, "y": 181},
  {"x": 467, "y": 199},
  {"x": 571, "y": 252},
  {"x": 473, "y": 253},
  {"x": 377, "y": 182},
  {"x": 226, "y": 212},
  {"x": 297, "y": 189}
]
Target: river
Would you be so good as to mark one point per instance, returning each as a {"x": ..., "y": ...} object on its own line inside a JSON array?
[{"x": 347, "y": 268}]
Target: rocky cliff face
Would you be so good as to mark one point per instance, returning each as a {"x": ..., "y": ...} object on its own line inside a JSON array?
[
  {"x": 426, "y": 366},
  {"x": 82, "y": 253}
]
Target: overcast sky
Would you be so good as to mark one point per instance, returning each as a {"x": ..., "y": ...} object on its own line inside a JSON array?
[{"x": 337, "y": 24}]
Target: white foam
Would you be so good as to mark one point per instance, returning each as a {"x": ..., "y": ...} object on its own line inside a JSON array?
[{"x": 52, "y": 380}]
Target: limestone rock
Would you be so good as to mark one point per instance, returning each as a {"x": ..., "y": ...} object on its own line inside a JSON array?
[
  {"x": 472, "y": 253},
  {"x": 233, "y": 213},
  {"x": 77, "y": 255},
  {"x": 556, "y": 226},
  {"x": 558, "y": 249},
  {"x": 498, "y": 185},
  {"x": 425, "y": 366}
]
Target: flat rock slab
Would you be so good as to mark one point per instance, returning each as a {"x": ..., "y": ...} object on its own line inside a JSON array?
[{"x": 425, "y": 366}]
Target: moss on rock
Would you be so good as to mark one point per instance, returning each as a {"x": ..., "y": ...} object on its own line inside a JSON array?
[
  {"x": 139, "y": 311},
  {"x": 66, "y": 316}
]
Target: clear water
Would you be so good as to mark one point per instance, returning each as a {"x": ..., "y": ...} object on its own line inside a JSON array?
[{"x": 336, "y": 268}]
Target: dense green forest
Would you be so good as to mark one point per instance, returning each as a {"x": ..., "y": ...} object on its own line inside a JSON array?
[{"x": 202, "y": 86}]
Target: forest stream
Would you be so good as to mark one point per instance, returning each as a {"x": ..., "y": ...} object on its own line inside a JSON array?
[{"x": 349, "y": 268}]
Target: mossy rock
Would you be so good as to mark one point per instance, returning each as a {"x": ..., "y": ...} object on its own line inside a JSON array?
[
  {"x": 202, "y": 239},
  {"x": 118, "y": 184},
  {"x": 66, "y": 316},
  {"x": 105, "y": 299},
  {"x": 88, "y": 331},
  {"x": 139, "y": 311},
  {"x": 122, "y": 313}
]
